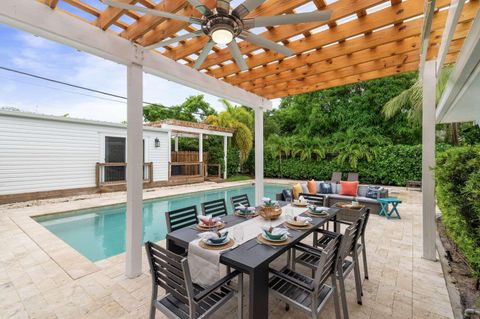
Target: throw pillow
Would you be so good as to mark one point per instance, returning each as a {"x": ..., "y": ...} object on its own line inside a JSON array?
[
  {"x": 374, "y": 192},
  {"x": 304, "y": 188},
  {"x": 348, "y": 188},
  {"x": 287, "y": 195},
  {"x": 297, "y": 189},
  {"x": 312, "y": 186},
  {"x": 325, "y": 188},
  {"x": 362, "y": 190}
]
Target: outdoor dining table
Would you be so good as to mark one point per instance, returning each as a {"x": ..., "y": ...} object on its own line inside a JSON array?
[{"x": 250, "y": 257}]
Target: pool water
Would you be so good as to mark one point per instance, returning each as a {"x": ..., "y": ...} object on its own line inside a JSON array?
[{"x": 99, "y": 233}]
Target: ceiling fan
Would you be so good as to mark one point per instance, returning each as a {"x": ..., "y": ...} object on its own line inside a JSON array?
[{"x": 222, "y": 25}]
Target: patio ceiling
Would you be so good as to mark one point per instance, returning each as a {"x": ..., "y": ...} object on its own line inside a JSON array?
[{"x": 364, "y": 40}]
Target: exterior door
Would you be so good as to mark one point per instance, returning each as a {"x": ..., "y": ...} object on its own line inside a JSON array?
[{"x": 115, "y": 153}]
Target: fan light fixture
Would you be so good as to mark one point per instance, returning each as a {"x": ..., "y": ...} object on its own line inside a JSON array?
[{"x": 222, "y": 35}]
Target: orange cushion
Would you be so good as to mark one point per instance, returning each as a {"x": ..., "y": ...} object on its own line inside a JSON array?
[
  {"x": 297, "y": 189},
  {"x": 312, "y": 186},
  {"x": 349, "y": 188}
]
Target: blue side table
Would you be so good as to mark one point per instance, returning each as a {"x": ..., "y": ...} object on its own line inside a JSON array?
[{"x": 384, "y": 202}]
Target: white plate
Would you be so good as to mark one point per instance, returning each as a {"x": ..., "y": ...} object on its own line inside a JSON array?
[
  {"x": 208, "y": 242},
  {"x": 284, "y": 237}
]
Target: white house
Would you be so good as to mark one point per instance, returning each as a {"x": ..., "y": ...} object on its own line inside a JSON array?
[{"x": 45, "y": 156}]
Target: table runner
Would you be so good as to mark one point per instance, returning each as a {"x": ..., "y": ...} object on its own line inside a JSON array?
[{"x": 204, "y": 264}]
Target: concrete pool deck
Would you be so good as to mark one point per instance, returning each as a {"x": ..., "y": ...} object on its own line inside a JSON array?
[{"x": 42, "y": 277}]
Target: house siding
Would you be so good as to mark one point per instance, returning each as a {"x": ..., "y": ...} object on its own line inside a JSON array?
[{"x": 40, "y": 154}]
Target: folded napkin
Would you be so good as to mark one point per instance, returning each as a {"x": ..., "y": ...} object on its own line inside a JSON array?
[
  {"x": 302, "y": 219},
  {"x": 244, "y": 208},
  {"x": 318, "y": 208},
  {"x": 276, "y": 231},
  {"x": 211, "y": 235},
  {"x": 209, "y": 220},
  {"x": 268, "y": 201},
  {"x": 301, "y": 199}
]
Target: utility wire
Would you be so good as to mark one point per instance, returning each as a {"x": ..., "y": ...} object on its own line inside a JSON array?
[{"x": 84, "y": 88}]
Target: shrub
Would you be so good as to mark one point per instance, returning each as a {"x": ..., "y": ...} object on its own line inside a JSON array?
[
  {"x": 393, "y": 165},
  {"x": 458, "y": 195}
]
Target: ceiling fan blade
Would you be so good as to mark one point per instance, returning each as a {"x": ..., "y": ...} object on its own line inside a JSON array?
[
  {"x": 223, "y": 6},
  {"x": 262, "y": 42},
  {"x": 246, "y": 7},
  {"x": 157, "y": 13},
  {"x": 203, "y": 9},
  {"x": 175, "y": 40},
  {"x": 315, "y": 16},
  {"x": 203, "y": 55},
  {"x": 237, "y": 55}
]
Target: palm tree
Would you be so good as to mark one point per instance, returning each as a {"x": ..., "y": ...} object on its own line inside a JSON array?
[
  {"x": 410, "y": 102},
  {"x": 307, "y": 148},
  {"x": 238, "y": 118}
]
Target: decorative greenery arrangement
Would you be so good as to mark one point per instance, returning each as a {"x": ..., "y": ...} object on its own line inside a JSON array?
[{"x": 458, "y": 196}]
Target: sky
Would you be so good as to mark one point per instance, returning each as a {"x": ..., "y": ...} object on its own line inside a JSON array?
[{"x": 25, "y": 52}]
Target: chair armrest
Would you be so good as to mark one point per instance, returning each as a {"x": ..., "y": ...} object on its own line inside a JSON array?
[
  {"x": 326, "y": 232},
  {"x": 309, "y": 249},
  {"x": 215, "y": 286},
  {"x": 292, "y": 280}
]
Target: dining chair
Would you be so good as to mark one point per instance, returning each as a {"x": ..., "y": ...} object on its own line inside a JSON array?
[
  {"x": 313, "y": 199},
  {"x": 240, "y": 200},
  {"x": 180, "y": 218},
  {"x": 216, "y": 208},
  {"x": 352, "y": 177},
  {"x": 182, "y": 298},
  {"x": 348, "y": 259},
  {"x": 336, "y": 177},
  {"x": 310, "y": 294}
]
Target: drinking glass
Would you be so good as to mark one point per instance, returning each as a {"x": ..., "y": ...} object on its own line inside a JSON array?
[{"x": 238, "y": 234}]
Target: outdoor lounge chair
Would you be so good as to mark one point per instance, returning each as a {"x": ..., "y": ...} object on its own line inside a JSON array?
[
  {"x": 240, "y": 200},
  {"x": 352, "y": 177},
  {"x": 216, "y": 208},
  {"x": 180, "y": 218},
  {"x": 310, "y": 294},
  {"x": 182, "y": 298},
  {"x": 336, "y": 177},
  {"x": 348, "y": 259}
]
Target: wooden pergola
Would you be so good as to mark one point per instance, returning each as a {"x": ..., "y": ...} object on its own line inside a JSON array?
[{"x": 363, "y": 40}]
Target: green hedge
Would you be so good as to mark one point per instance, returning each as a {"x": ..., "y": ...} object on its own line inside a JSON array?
[
  {"x": 393, "y": 165},
  {"x": 458, "y": 196}
]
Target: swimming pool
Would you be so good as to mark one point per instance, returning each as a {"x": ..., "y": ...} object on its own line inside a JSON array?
[{"x": 99, "y": 233}]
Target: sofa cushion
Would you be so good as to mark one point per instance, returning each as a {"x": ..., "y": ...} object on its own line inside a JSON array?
[
  {"x": 297, "y": 189},
  {"x": 312, "y": 186},
  {"x": 341, "y": 197},
  {"x": 336, "y": 188},
  {"x": 304, "y": 188},
  {"x": 349, "y": 188},
  {"x": 362, "y": 190},
  {"x": 325, "y": 188},
  {"x": 362, "y": 199}
]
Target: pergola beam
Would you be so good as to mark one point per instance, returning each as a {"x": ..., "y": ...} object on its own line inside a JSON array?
[
  {"x": 38, "y": 19},
  {"x": 454, "y": 12},
  {"x": 51, "y": 3},
  {"x": 426, "y": 28}
]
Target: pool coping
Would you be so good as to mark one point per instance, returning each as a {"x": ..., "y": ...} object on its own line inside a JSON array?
[{"x": 71, "y": 261}]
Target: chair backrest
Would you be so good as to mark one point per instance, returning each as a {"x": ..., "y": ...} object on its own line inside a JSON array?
[
  {"x": 328, "y": 262},
  {"x": 167, "y": 270},
  {"x": 350, "y": 237},
  {"x": 216, "y": 208},
  {"x": 181, "y": 218},
  {"x": 312, "y": 199},
  {"x": 352, "y": 177},
  {"x": 336, "y": 177},
  {"x": 240, "y": 200}
]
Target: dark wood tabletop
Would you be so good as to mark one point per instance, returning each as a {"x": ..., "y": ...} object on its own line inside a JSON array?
[{"x": 250, "y": 257}]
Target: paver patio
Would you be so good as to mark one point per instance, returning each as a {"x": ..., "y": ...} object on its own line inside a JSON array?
[{"x": 35, "y": 285}]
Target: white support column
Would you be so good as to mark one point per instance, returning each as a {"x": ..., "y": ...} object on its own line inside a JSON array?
[
  {"x": 200, "y": 147},
  {"x": 225, "y": 150},
  {"x": 258, "y": 155},
  {"x": 133, "y": 238},
  {"x": 176, "y": 143},
  {"x": 428, "y": 160}
]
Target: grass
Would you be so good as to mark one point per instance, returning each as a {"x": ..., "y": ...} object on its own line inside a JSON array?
[{"x": 236, "y": 178}]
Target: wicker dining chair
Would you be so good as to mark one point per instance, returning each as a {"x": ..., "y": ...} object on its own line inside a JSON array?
[
  {"x": 352, "y": 177},
  {"x": 182, "y": 298},
  {"x": 216, "y": 208},
  {"x": 180, "y": 218},
  {"x": 239, "y": 200},
  {"x": 348, "y": 259},
  {"x": 336, "y": 177},
  {"x": 310, "y": 294}
]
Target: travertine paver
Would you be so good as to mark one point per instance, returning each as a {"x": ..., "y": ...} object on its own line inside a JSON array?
[{"x": 41, "y": 277}]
